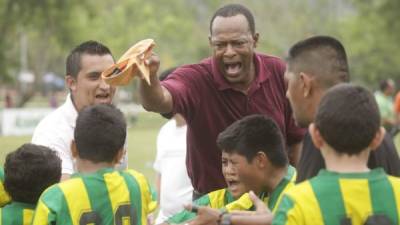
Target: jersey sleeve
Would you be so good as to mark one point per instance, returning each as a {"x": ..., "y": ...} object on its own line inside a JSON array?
[
  {"x": 4, "y": 197},
  {"x": 288, "y": 213},
  {"x": 184, "y": 85},
  {"x": 148, "y": 195},
  {"x": 43, "y": 215},
  {"x": 186, "y": 215}
]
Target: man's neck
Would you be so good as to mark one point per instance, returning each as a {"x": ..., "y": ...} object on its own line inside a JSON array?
[
  {"x": 344, "y": 163},
  {"x": 86, "y": 166}
]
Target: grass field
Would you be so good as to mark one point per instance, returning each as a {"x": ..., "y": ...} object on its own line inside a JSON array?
[{"x": 141, "y": 143}]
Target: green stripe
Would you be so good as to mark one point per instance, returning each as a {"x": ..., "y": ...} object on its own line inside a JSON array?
[
  {"x": 285, "y": 206},
  {"x": 1, "y": 174},
  {"x": 55, "y": 200},
  {"x": 97, "y": 192},
  {"x": 12, "y": 214},
  {"x": 329, "y": 197},
  {"x": 134, "y": 193},
  {"x": 228, "y": 198},
  {"x": 281, "y": 186},
  {"x": 186, "y": 215},
  {"x": 383, "y": 198}
]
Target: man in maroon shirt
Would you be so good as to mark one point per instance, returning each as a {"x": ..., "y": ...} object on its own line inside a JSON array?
[{"x": 219, "y": 90}]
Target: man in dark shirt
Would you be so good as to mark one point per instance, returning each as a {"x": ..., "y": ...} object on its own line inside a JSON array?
[
  {"x": 233, "y": 83},
  {"x": 315, "y": 65}
]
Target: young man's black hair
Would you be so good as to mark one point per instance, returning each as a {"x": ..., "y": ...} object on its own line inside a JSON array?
[
  {"x": 29, "y": 170},
  {"x": 251, "y": 135},
  {"x": 348, "y": 118},
  {"x": 233, "y": 10},
  {"x": 100, "y": 133},
  {"x": 73, "y": 65},
  {"x": 321, "y": 56}
]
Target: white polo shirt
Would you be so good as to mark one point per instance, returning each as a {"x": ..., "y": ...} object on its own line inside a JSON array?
[{"x": 56, "y": 131}]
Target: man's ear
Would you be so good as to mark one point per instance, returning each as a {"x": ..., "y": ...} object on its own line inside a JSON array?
[
  {"x": 74, "y": 149},
  {"x": 306, "y": 81},
  {"x": 256, "y": 37},
  {"x": 380, "y": 134},
  {"x": 71, "y": 82},
  {"x": 316, "y": 137}
]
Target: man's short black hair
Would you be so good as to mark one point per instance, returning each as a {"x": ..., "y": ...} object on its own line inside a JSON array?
[
  {"x": 348, "y": 118},
  {"x": 100, "y": 133},
  {"x": 73, "y": 65},
  {"x": 230, "y": 10},
  {"x": 29, "y": 170},
  {"x": 251, "y": 135},
  {"x": 162, "y": 77},
  {"x": 321, "y": 56}
]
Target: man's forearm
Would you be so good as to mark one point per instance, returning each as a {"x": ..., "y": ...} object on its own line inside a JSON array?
[{"x": 154, "y": 97}]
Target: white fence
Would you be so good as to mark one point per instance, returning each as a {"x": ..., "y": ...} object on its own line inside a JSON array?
[{"x": 21, "y": 121}]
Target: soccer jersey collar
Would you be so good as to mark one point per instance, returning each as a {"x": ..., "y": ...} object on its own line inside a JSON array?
[
  {"x": 287, "y": 180},
  {"x": 374, "y": 173},
  {"x": 262, "y": 74},
  {"x": 98, "y": 172}
]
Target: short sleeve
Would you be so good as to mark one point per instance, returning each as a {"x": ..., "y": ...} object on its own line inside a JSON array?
[{"x": 184, "y": 85}]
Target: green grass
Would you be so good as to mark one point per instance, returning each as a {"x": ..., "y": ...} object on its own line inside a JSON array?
[{"x": 142, "y": 136}]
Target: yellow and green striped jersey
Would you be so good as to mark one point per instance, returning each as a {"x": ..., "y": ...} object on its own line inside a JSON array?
[
  {"x": 223, "y": 199},
  {"x": 332, "y": 198},
  {"x": 108, "y": 196},
  {"x": 16, "y": 213},
  {"x": 4, "y": 197}
]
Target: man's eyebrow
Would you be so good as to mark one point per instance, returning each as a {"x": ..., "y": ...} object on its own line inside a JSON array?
[{"x": 94, "y": 73}]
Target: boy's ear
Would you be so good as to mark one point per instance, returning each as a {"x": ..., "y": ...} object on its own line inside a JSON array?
[
  {"x": 261, "y": 159},
  {"x": 74, "y": 150},
  {"x": 119, "y": 156},
  {"x": 380, "y": 134},
  {"x": 316, "y": 136}
]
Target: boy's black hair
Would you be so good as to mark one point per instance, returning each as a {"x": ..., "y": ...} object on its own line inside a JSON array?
[
  {"x": 100, "y": 133},
  {"x": 29, "y": 170},
  {"x": 348, "y": 118},
  {"x": 251, "y": 135}
]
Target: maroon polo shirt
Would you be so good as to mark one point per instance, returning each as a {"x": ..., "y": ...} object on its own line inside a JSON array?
[{"x": 209, "y": 104}]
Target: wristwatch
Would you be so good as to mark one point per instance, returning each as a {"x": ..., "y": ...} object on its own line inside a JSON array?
[{"x": 226, "y": 219}]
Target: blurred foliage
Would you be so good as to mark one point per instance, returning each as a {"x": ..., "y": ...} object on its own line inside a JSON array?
[{"x": 369, "y": 30}]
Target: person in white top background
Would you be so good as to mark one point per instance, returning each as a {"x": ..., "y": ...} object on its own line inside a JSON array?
[
  {"x": 173, "y": 184},
  {"x": 84, "y": 66}
]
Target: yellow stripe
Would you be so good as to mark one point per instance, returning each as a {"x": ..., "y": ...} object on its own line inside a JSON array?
[
  {"x": 356, "y": 198},
  {"x": 305, "y": 204},
  {"x": 4, "y": 197},
  {"x": 27, "y": 215},
  {"x": 117, "y": 190},
  {"x": 148, "y": 203},
  {"x": 288, "y": 186},
  {"x": 41, "y": 214},
  {"x": 217, "y": 198},
  {"x": 76, "y": 197},
  {"x": 395, "y": 185}
]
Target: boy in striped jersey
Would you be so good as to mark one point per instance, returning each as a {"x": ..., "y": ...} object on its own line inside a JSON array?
[
  {"x": 346, "y": 128},
  {"x": 4, "y": 196},
  {"x": 28, "y": 172},
  {"x": 250, "y": 161},
  {"x": 98, "y": 194}
]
